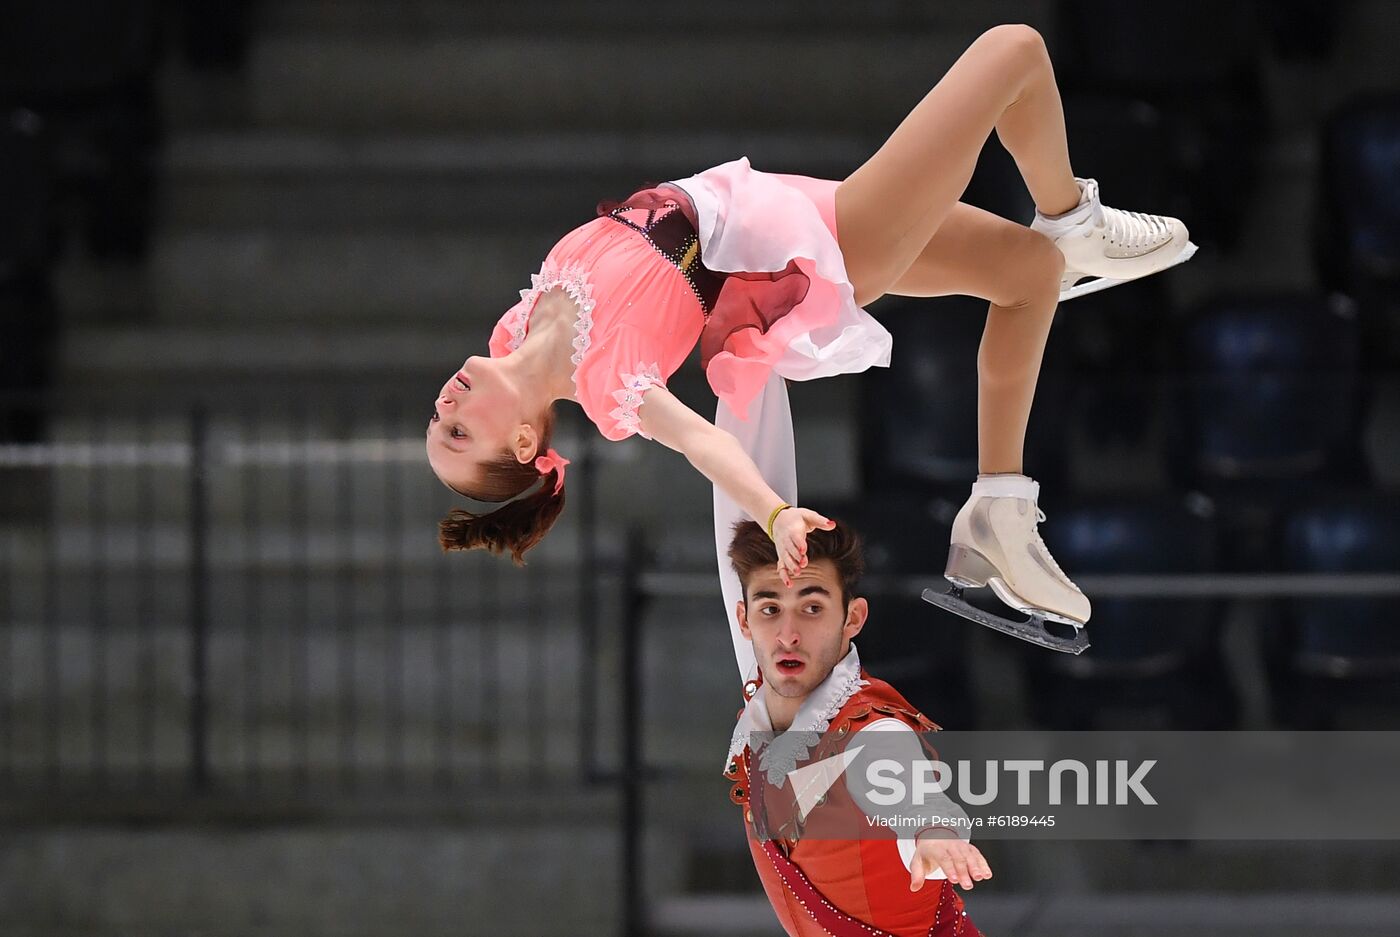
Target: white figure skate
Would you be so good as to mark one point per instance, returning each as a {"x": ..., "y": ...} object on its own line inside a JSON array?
[
  {"x": 995, "y": 543},
  {"x": 1109, "y": 246}
]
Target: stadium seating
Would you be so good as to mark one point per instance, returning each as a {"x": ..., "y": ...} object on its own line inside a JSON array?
[
  {"x": 919, "y": 416},
  {"x": 1269, "y": 392},
  {"x": 1330, "y": 655},
  {"x": 1357, "y": 237},
  {"x": 87, "y": 70},
  {"x": 26, "y": 191},
  {"x": 1152, "y": 662},
  {"x": 27, "y": 317},
  {"x": 1117, "y": 342},
  {"x": 1210, "y": 99}
]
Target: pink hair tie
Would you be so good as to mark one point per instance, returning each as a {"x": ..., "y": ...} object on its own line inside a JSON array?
[{"x": 552, "y": 460}]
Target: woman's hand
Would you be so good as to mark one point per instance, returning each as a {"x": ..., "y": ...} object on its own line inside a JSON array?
[
  {"x": 721, "y": 459},
  {"x": 960, "y": 861},
  {"x": 790, "y": 529}
]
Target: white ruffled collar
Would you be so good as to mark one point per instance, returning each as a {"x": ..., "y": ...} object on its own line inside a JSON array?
[
  {"x": 572, "y": 277},
  {"x": 781, "y": 755}
]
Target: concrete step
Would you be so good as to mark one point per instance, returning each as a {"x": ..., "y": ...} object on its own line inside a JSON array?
[
  {"x": 434, "y": 668},
  {"x": 413, "y": 52},
  {"x": 323, "y": 686},
  {"x": 1145, "y": 914},
  {"x": 322, "y": 516},
  {"x": 486, "y": 181},
  {"x": 429, "y": 63},
  {"x": 436, "y": 17},
  {"x": 322, "y": 467},
  {"x": 319, "y": 881},
  {"x": 289, "y": 693},
  {"x": 860, "y": 80},
  {"x": 142, "y": 356},
  {"x": 262, "y": 542},
  {"x": 360, "y": 276},
  {"x": 295, "y": 228}
]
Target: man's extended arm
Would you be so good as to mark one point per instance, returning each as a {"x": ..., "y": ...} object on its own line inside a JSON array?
[{"x": 768, "y": 439}]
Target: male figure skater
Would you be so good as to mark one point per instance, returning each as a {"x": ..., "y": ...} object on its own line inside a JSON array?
[{"x": 826, "y": 870}]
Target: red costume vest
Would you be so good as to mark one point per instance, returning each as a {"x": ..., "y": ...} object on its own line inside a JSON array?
[{"x": 844, "y": 886}]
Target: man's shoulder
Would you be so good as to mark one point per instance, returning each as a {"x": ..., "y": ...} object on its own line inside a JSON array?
[{"x": 878, "y": 700}]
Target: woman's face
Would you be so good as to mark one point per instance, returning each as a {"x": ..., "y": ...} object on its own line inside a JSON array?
[{"x": 476, "y": 417}]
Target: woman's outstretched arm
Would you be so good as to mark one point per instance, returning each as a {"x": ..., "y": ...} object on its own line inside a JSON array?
[{"x": 719, "y": 457}]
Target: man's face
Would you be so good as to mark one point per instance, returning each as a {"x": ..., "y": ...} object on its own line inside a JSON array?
[{"x": 799, "y": 632}]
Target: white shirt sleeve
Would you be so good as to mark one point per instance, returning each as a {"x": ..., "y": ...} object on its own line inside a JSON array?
[
  {"x": 767, "y": 437},
  {"x": 911, "y": 751}
]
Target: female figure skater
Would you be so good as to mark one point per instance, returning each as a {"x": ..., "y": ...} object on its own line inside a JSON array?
[{"x": 769, "y": 273}]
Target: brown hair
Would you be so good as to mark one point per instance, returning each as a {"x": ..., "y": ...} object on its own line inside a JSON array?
[
  {"x": 520, "y": 524},
  {"x": 750, "y": 549}
]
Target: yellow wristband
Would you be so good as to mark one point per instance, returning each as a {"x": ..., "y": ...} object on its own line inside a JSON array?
[{"x": 774, "y": 516}]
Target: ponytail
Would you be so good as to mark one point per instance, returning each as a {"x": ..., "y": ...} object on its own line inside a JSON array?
[{"x": 516, "y": 527}]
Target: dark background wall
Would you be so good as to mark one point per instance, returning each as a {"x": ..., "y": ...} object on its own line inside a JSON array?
[{"x": 240, "y": 689}]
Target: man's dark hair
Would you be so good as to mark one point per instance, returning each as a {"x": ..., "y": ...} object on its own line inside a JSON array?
[{"x": 750, "y": 549}]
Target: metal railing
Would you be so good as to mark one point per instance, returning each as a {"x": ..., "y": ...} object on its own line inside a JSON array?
[{"x": 192, "y": 603}]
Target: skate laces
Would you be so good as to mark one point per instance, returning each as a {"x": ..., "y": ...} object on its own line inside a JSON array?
[
  {"x": 1045, "y": 551},
  {"x": 1130, "y": 229}
]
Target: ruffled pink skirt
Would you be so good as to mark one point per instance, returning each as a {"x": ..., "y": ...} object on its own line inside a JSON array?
[{"x": 786, "y": 305}]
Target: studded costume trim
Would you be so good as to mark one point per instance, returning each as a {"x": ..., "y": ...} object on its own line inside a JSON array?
[
  {"x": 949, "y": 917},
  {"x": 670, "y": 232},
  {"x": 831, "y": 919}
]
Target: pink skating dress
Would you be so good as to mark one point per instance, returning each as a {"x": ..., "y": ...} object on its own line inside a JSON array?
[{"x": 744, "y": 262}]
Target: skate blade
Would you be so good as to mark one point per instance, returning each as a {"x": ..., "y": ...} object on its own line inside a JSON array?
[
  {"x": 1012, "y": 600},
  {"x": 1098, "y": 284},
  {"x": 1032, "y": 630}
]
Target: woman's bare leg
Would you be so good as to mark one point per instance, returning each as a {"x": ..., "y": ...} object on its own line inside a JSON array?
[
  {"x": 890, "y": 208},
  {"x": 1018, "y": 270},
  {"x": 903, "y": 230},
  {"x": 977, "y": 253}
]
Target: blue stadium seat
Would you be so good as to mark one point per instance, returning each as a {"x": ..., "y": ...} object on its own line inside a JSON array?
[
  {"x": 1269, "y": 392},
  {"x": 919, "y": 416},
  {"x": 26, "y": 191},
  {"x": 1204, "y": 83},
  {"x": 1337, "y": 651},
  {"x": 1360, "y": 192},
  {"x": 87, "y": 69},
  {"x": 1152, "y": 662},
  {"x": 1357, "y": 238},
  {"x": 28, "y": 318},
  {"x": 1118, "y": 340}
]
